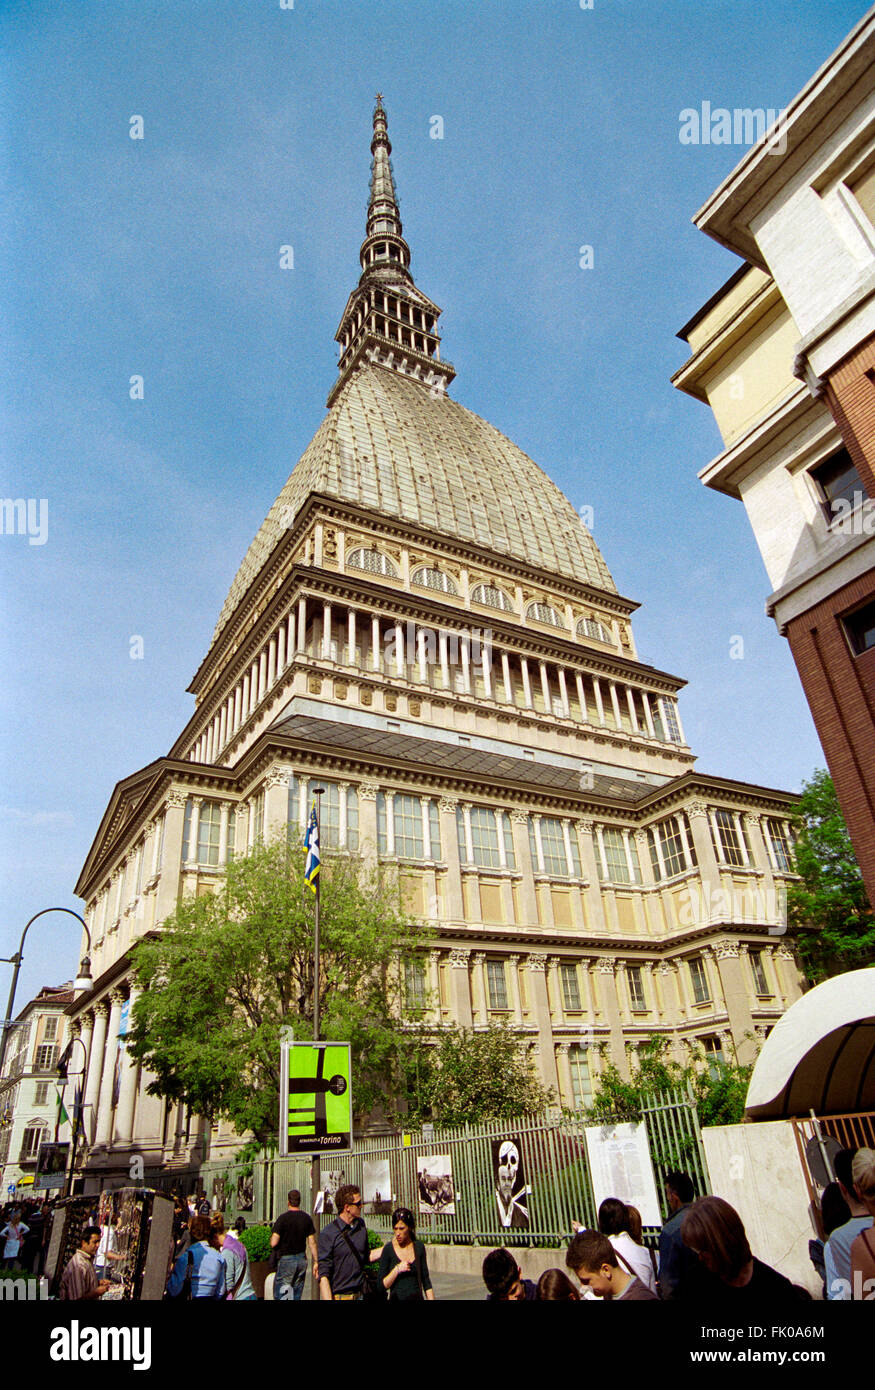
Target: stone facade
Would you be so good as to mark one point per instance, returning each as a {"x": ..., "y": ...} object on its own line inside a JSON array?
[{"x": 424, "y": 627}]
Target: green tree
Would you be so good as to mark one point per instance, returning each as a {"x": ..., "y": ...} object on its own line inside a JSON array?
[
  {"x": 463, "y": 1077},
  {"x": 230, "y": 969},
  {"x": 718, "y": 1087},
  {"x": 828, "y": 908}
]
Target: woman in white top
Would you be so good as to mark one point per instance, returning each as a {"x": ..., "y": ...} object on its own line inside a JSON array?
[
  {"x": 106, "y": 1251},
  {"x": 634, "y": 1258}
]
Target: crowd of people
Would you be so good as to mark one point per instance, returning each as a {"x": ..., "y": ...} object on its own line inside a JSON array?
[{"x": 703, "y": 1253}]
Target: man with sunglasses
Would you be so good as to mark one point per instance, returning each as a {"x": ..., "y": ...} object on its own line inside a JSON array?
[{"x": 343, "y": 1249}]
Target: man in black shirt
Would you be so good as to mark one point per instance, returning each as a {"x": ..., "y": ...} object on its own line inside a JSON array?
[
  {"x": 343, "y": 1248},
  {"x": 293, "y": 1235}
]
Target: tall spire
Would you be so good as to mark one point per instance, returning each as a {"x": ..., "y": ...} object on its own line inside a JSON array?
[{"x": 387, "y": 320}]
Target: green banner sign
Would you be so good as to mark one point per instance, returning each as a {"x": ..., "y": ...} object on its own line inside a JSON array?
[{"x": 316, "y": 1098}]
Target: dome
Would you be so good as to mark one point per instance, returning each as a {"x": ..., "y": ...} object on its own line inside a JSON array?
[{"x": 390, "y": 445}]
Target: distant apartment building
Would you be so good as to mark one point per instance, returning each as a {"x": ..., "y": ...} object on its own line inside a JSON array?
[
  {"x": 784, "y": 354},
  {"x": 29, "y": 1087}
]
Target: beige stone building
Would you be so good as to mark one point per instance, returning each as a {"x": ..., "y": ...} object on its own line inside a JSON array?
[
  {"x": 29, "y": 1088},
  {"x": 784, "y": 354},
  {"x": 424, "y": 626}
]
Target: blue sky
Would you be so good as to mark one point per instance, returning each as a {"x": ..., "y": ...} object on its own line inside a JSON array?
[{"x": 160, "y": 257}]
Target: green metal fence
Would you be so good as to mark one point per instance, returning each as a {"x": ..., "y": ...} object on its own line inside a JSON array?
[{"x": 552, "y": 1151}]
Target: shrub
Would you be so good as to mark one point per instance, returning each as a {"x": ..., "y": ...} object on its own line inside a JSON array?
[{"x": 256, "y": 1240}]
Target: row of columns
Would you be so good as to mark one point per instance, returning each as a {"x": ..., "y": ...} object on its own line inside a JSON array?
[
  {"x": 613, "y": 704},
  {"x": 99, "y": 1030}
]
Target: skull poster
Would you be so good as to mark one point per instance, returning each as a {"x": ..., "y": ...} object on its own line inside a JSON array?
[{"x": 511, "y": 1191}]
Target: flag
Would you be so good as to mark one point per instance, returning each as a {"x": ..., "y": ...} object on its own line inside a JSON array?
[
  {"x": 63, "y": 1117},
  {"x": 311, "y": 845}
]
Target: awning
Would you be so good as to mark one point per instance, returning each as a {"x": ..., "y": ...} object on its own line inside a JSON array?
[
  {"x": 25, "y": 1182},
  {"x": 821, "y": 1055}
]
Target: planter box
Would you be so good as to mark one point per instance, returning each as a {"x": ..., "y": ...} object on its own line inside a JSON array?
[{"x": 258, "y": 1272}]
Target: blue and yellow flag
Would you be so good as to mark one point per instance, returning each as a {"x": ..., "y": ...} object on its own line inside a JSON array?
[{"x": 311, "y": 845}]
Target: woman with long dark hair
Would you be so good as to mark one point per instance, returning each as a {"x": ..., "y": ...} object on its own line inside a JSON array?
[
  {"x": 403, "y": 1262},
  {"x": 713, "y": 1230}
]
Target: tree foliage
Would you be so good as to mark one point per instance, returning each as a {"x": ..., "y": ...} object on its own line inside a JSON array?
[
  {"x": 718, "y": 1087},
  {"x": 229, "y": 970},
  {"x": 828, "y": 907},
  {"x": 464, "y": 1077}
]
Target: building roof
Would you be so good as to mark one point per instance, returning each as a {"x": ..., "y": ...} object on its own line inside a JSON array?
[
  {"x": 391, "y": 446},
  {"x": 821, "y": 1055},
  {"x": 470, "y": 761}
]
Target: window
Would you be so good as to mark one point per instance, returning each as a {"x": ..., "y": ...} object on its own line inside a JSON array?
[
  {"x": 730, "y": 838},
  {"x": 618, "y": 857},
  {"x": 404, "y": 834},
  {"x": 208, "y": 834},
  {"x": 496, "y": 984},
  {"x": 486, "y": 847},
  {"x": 590, "y": 627},
  {"x": 259, "y": 816},
  {"x": 759, "y": 973},
  {"x": 581, "y": 1078},
  {"x": 427, "y": 578},
  {"x": 41, "y": 1093},
  {"x": 50, "y": 1028},
  {"x": 779, "y": 844},
  {"x": 570, "y": 988},
  {"x": 232, "y": 831},
  {"x": 414, "y": 985},
  {"x": 714, "y": 1055},
  {"x": 839, "y": 485},
  {"x": 490, "y": 597},
  {"x": 554, "y": 848},
  {"x": 671, "y": 847},
  {"x": 699, "y": 978},
  {"x": 636, "y": 989},
  {"x": 33, "y": 1136},
  {"x": 372, "y": 562},
  {"x": 860, "y": 629},
  {"x": 336, "y": 829},
  {"x": 671, "y": 722},
  {"x": 544, "y": 613},
  {"x": 45, "y": 1057}
]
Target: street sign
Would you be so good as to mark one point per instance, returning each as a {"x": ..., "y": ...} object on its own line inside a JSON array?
[{"x": 315, "y": 1098}]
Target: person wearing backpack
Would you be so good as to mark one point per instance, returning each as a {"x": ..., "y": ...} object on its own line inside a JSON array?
[
  {"x": 344, "y": 1254},
  {"x": 201, "y": 1269}
]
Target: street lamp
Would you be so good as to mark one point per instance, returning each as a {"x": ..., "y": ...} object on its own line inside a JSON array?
[{"x": 82, "y": 981}]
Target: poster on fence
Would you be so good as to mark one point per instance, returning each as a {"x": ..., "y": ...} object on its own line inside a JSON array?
[
  {"x": 331, "y": 1179},
  {"x": 620, "y": 1166},
  {"x": 511, "y": 1190},
  {"x": 437, "y": 1193},
  {"x": 377, "y": 1186},
  {"x": 244, "y": 1192}
]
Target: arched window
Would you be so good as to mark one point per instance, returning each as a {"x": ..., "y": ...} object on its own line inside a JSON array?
[
  {"x": 427, "y": 578},
  {"x": 590, "y": 627},
  {"x": 491, "y": 597},
  {"x": 35, "y": 1134},
  {"x": 544, "y": 613},
  {"x": 372, "y": 562}
]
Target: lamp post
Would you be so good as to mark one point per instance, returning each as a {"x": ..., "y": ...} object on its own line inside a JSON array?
[{"x": 82, "y": 981}]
